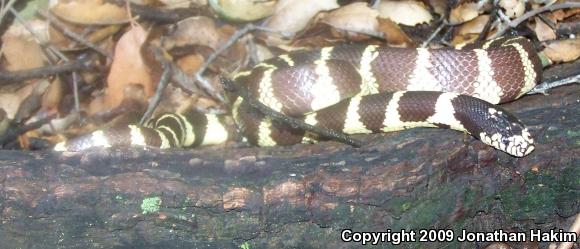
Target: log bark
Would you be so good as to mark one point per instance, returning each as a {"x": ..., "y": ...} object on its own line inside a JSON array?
[{"x": 301, "y": 196}]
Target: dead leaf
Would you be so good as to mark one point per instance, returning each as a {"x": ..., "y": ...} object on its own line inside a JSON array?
[
  {"x": 53, "y": 95},
  {"x": 439, "y": 6},
  {"x": 394, "y": 35},
  {"x": 463, "y": 13},
  {"x": 21, "y": 51},
  {"x": 128, "y": 67},
  {"x": 199, "y": 30},
  {"x": 189, "y": 64},
  {"x": 543, "y": 31},
  {"x": 356, "y": 17},
  {"x": 408, "y": 13},
  {"x": 291, "y": 16},
  {"x": 513, "y": 8},
  {"x": 469, "y": 31},
  {"x": 242, "y": 10},
  {"x": 65, "y": 43},
  {"x": 90, "y": 12},
  {"x": 563, "y": 50}
]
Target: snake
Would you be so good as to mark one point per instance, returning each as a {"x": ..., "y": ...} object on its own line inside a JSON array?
[{"x": 358, "y": 89}]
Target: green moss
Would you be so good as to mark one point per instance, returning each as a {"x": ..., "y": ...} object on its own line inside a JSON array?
[
  {"x": 245, "y": 245},
  {"x": 150, "y": 205},
  {"x": 573, "y": 133},
  {"x": 543, "y": 194}
]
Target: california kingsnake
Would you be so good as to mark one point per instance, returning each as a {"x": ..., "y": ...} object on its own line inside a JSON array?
[{"x": 361, "y": 89}]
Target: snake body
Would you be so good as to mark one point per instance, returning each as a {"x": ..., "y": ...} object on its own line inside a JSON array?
[{"x": 362, "y": 89}]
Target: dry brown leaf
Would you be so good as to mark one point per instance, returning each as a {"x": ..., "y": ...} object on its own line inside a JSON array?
[
  {"x": 513, "y": 8},
  {"x": 10, "y": 100},
  {"x": 90, "y": 12},
  {"x": 291, "y": 16},
  {"x": 189, "y": 64},
  {"x": 474, "y": 26},
  {"x": 356, "y": 17},
  {"x": 469, "y": 31},
  {"x": 65, "y": 43},
  {"x": 564, "y": 50},
  {"x": 53, "y": 95},
  {"x": 128, "y": 67},
  {"x": 199, "y": 30},
  {"x": 21, "y": 51},
  {"x": 463, "y": 13},
  {"x": 408, "y": 13},
  {"x": 243, "y": 10},
  {"x": 543, "y": 31},
  {"x": 439, "y": 6},
  {"x": 394, "y": 35}
]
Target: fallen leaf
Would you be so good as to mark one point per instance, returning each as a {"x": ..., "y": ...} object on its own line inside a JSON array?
[
  {"x": 128, "y": 67},
  {"x": 199, "y": 30},
  {"x": 90, "y": 12},
  {"x": 356, "y": 17},
  {"x": 10, "y": 100},
  {"x": 469, "y": 31},
  {"x": 394, "y": 35},
  {"x": 439, "y": 6},
  {"x": 243, "y": 10},
  {"x": 543, "y": 31},
  {"x": 408, "y": 13},
  {"x": 463, "y": 13},
  {"x": 563, "y": 50},
  {"x": 513, "y": 8},
  {"x": 20, "y": 50},
  {"x": 189, "y": 64},
  {"x": 53, "y": 95},
  {"x": 291, "y": 16},
  {"x": 474, "y": 26}
]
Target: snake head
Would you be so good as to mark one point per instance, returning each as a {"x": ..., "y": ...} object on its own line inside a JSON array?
[{"x": 506, "y": 133}]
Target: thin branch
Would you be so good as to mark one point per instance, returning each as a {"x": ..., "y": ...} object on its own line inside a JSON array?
[
  {"x": 434, "y": 34},
  {"x": 229, "y": 85},
  {"x": 544, "y": 87},
  {"x": 76, "y": 37},
  {"x": 7, "y": 78},
  {"x": 515, "y": 22},
  {"x": 488, "y": 25},
  {"x": 205, "y": 84},
  {"x": 163, "y": 82},
  {"x": 5, "y": 9},
  {"x": 12, "y": 134}
]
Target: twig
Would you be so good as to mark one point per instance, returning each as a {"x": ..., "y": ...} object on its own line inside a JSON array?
[
  {"x": 229, "y": 85},
  {"x": 7, "y": 78},
  {"x": 5, "y": 9},
  {"x": 515, "y": 22},
  {"x": 544, "y": 87},
  {"x": 488, "y": 25},
  {"x": 206, "y": 85},
  {"x": 50, "y": 48},
  {"x": 62, "y": 27},
  {"x": 163, "y": 82},
  {"x": 434, "y": 34},
  {"x": 12, "y": 134}
]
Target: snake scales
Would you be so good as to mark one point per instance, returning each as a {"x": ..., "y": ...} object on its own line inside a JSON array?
[{"x": 360, "y": 89}]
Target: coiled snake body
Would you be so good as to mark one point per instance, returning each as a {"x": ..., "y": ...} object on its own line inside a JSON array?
[{"x": 361, "y": 89}]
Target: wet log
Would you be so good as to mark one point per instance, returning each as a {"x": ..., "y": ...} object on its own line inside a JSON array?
[{"x": 301, "y": 196}]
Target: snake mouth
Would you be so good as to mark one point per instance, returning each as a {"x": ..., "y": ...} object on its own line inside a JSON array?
[{"x": 518, "y": 145}]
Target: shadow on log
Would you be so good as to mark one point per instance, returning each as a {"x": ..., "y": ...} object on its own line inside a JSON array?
[{"x": 301, "y": 196}]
